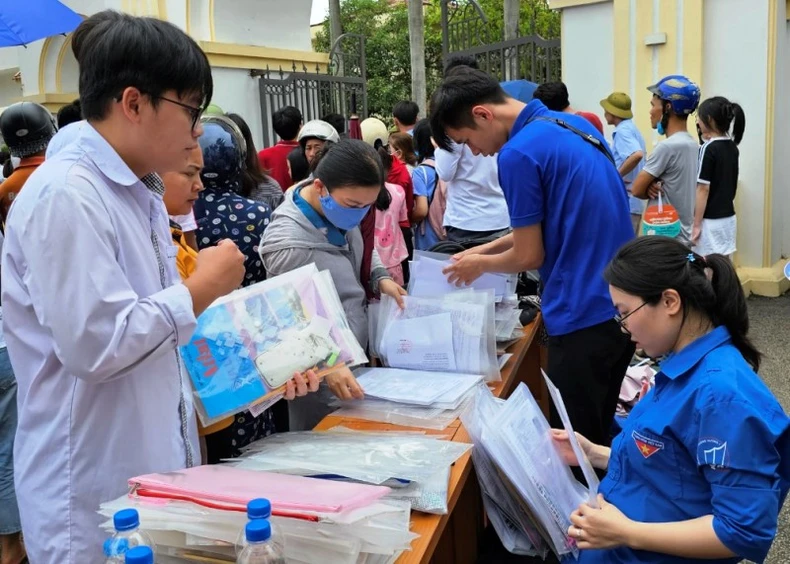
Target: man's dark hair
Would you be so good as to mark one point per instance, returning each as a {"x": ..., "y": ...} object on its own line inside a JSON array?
[
  {"x": 286, "y": 122},
  {"x": 554, "y": 95},
  {"x": 69, "y": 114},
  {"x": 116, "y": 51},
  {"x": 455, "y": 61},
  {"x": 406, "y": 112},
  {"x": 452, "y": 103},
  {"x": 337, "y": 121}
]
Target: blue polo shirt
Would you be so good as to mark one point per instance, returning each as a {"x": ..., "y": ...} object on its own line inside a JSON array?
[
  {"x": 709, "y": 439},
  {"x": 552, "y": 176}
]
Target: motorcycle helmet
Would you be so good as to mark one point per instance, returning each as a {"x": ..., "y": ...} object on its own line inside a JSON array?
[
  {"x": 26, "y": 128},
  {"x": 224, "y": 153}
]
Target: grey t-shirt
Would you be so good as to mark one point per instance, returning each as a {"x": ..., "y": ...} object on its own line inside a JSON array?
[{"x": 675, "y": 162}]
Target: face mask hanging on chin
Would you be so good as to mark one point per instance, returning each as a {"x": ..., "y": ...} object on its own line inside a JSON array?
[{"x": 340, "y": 216}]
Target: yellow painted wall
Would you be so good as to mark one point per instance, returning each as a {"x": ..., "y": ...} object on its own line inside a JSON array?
[{"x": 651, "y": 63}]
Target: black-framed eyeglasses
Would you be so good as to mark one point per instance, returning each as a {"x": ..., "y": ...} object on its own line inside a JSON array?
[
  {"x": 621, "y": 318},
  {"x": 193, "y": 111}
]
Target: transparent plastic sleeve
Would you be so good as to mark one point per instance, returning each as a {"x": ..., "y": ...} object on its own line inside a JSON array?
[{"x": 248, "y": 344}]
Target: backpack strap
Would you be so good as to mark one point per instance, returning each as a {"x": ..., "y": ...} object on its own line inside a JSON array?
[{"x": 592, "y": 139}]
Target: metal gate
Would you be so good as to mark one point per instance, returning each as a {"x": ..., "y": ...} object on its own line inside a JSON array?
[
  {"x": 317, "y": 92},
  {"x": 467, "y": 31}
]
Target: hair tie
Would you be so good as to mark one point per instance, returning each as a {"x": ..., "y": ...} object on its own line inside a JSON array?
[{"x": 691, "y": 257}]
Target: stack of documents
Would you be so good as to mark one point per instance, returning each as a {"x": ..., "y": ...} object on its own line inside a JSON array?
[
  {"x": 427, "y": 280},
  {"x": 528, "y": 490},
  {"x": 453, "y": 333},
  {"x": 199, "y": 513},
  {"x": 507, "y": 320},
  {"x": 248, "y": 344},
  {"x": 416, "y": 467},
  {"x": 417, "y": 398}
]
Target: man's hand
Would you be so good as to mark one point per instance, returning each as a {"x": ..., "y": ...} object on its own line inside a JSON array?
[
  {"x": 464, "y": 270},
  {"x": 655, "y": 188},
  {"x": 344, "y": 385},
  {"x": 219, "y": 271}
]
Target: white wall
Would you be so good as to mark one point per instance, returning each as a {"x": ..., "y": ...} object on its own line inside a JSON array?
[
  {"x": 736, "y": 68},
  {"x": 10, "y": 90},
  {"x": 236, "y": 91},
  {"x": 585, "y": 70},
  {"x": 284, "y": 24},
  {"x": 781, "y": 184}
]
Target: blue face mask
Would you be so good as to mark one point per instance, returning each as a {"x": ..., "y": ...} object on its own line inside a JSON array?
[
  {"x": 340, "y": 216},
  {"x": 660, "y": 128}
]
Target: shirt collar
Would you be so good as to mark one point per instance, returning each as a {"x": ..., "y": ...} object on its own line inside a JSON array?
[
  {"x": 622, "y": 125},
  {"x": 29, "y": 161},
  {"x": 678, "y": 364},
  {"x": 532, "y": 110},
  {"x": 106, "y": 159}
]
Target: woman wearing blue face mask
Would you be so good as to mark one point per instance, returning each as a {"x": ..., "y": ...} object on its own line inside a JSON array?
[{"x": 319, "y": 223}]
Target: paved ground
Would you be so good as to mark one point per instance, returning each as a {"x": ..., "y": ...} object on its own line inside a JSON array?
[{"x": 770, "y": 329}]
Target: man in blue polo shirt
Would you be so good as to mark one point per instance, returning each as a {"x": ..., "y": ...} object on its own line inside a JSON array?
[{"x": 569, "y": 212}]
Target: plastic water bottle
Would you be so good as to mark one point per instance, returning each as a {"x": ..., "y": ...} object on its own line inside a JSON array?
[
  {"x": 140, "y": 555},
  {"x": 259, "y": 508},
  {"x": 260, "y": 549},
  {"x": 127, "y": 536}
]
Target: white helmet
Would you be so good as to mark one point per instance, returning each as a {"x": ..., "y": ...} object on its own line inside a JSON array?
[
  {"x": 317, "y": 129},
  {"x": 374, "y": 132}
]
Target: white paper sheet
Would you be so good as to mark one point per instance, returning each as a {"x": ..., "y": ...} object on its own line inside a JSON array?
[
  {"x": 424, "y": 342},
  {"x": 503, "y": 360},
  {"x": 407, "y": 386},
  {"x": 428, "y": 280},
  {"x": 587, "y": 470}
]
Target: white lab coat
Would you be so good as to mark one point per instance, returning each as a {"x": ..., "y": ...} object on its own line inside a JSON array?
[{"x": 92, "y": 336}]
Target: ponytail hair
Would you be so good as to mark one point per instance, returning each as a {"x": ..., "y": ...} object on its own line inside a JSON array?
[
  {"x": 709, "y": 286},
  {"x": 720, "y": 114}
]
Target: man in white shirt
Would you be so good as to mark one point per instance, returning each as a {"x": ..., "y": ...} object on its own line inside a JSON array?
[
  {"x": 94, "y": 308},
  {"x": 476, "y": 207}
]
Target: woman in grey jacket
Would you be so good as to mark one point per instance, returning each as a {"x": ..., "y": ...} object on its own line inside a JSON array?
[{"x": 319, "y": 223}]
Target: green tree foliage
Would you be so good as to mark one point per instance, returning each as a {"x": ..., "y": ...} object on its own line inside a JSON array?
[{"x": 386, "y": 29}]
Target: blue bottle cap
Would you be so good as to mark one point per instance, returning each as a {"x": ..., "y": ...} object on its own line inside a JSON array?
[
  {"x": 126, "y": 519},
  {"x": 259, "y": 509},
  {"x": 140, "y": 555},
  {"x": 258, "y": 530},
  {"x": 115, "y": 547}
]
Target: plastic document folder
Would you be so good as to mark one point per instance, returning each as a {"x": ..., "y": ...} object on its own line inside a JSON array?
[{"x": 228, "y": 488}]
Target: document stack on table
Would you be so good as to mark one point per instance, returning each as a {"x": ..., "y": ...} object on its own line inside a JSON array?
[
  {"x": 416, "y": 398},
  {"x": 528, "y": 490},
  {"x": 195, "y": 515},
  {"x": 414, "y": 466}
]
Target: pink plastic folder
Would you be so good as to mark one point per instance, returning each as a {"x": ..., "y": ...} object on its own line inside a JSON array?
[{"x": 229, "y": 488}]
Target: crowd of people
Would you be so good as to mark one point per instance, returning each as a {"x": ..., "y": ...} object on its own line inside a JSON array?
[{"x": 142, "y": 203}]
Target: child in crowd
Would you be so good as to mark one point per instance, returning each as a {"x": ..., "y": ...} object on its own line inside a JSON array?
[
  {"x": 401, "y": 145},
  {"x": 702, "y": 465},
  {"x": 714, "y": 211},
  {"x": 389, "y": 212},
  {"x": 429, "y": 228}
]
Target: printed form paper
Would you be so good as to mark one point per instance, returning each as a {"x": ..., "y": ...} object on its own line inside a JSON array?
[
  {"x": 423, "y": 343},
  {"x": 589, "y": 473}
]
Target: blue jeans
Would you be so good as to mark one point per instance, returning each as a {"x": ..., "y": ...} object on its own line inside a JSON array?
[{"x": 9, "y": 511}]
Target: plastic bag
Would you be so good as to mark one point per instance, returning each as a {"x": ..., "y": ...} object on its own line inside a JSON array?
[
  {"x": 248, "y": 344},
  {"x": 468, "y": 344},
  {"x": 661, "y": 218}
]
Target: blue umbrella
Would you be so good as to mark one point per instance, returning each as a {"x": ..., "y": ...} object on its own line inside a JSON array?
[
  {"x": 22, "y": 22},
  {"x": 521, "y": 90}
]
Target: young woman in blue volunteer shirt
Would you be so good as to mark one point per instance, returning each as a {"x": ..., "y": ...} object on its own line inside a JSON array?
[{"x": 702, "y": 466}]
